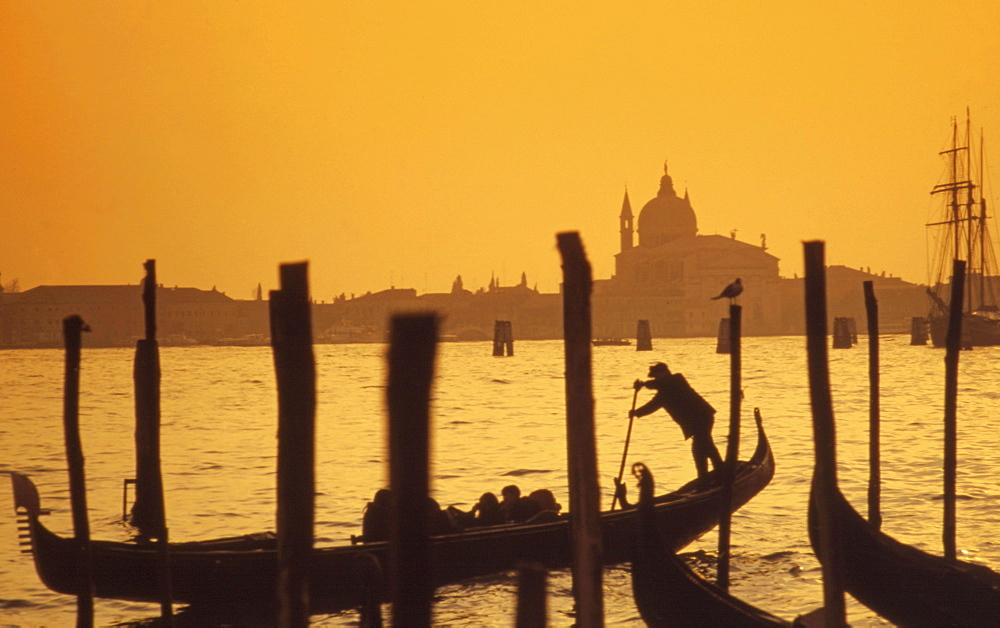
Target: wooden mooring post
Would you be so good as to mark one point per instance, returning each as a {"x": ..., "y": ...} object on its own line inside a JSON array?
[
  {"x": 643, "y": 336},
  {"x": 295, "y": 374},
  {"x": 841, "y": 333},
  {"x": 824, "y": 432},
  {"x": 918, "y": 330},
  {"x": 953, "y": 348},
  {"x": 733, "y": 445},
  {"x": 722, "y": 344},
  {"x": 874, "y": 411},
  {"x": 412, "y": 350},
  {"x": 532, "y": 580},
  {"x": 148, "y": 510},
  {"x": 73, "y": 326},
  {"x": 372, "y": 578},
  {"x": 584, "y": 490},
  {"x": 503, "y": 338}
]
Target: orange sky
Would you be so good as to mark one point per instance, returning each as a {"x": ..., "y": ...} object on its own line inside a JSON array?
[{"x": 407, "y": 143}]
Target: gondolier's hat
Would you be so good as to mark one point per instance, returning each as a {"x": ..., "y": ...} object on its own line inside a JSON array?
[{"x": 658, "y": 369}]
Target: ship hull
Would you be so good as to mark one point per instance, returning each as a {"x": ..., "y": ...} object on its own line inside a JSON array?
[{"x": 977, "y": 331}]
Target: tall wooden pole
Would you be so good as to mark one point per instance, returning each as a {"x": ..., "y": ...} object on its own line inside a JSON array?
[
  {"x": 295, "y": 371},
  {"x": 728, "y": 472},
  {"x": 584, "y": 491},
  {"x": 874, "y": 411},
  {"x": 824, "y": 433},
  {"x": 72, "y": 328},
  {"x": 148, "y": 511},
  {"x": 953, "y": 347},
  {"x": 372, "y": 579},
  {"x": 532, "y": 580},
  {"x": 412, "y": 351}
]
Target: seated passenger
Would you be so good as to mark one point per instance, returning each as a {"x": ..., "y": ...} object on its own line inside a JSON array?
[
  {"x": 523, "y": 508},
  {"x": 487, "y": 511},
  {"x": 438, "y": 521},
  {"x": 545, "y": 499},
  {"x": 549, "y": 507},
  {"x": 459, "y": 518},
  {"x": 510, "y": 494},
  {"x": 375, "y": 520}
]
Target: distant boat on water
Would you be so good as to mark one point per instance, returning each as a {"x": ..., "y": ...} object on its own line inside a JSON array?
[
  {"x": 961, "y": 232},
  {"x": 603, "y": 342},
  {"x": 250, "y": 340}
]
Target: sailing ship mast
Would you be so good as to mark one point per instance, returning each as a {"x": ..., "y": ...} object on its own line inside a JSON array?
[
  {"x": 964, "y": 234},
  {"x": 965, "y": 220},
  {"x": 985, "y": 248}
]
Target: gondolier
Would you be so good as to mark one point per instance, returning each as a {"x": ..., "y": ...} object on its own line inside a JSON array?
[{"x": 689, "y": 409}]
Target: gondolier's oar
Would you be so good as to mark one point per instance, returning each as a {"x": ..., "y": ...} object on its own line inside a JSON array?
[{"x": 628, "y": 435}]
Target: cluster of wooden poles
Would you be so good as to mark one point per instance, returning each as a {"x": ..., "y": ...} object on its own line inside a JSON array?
[
  {"x": 411, "y": 358},
  {"x": 824, "y": 432},
  {"x": 148, "y": 512}
]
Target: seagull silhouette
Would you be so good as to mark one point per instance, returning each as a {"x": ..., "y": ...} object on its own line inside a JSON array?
[{"x": 731, "y": 291}]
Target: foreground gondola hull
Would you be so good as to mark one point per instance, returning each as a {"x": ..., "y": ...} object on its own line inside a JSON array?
[
  {"x": 903, "y": 584},
  {"x": 669, "y": 593},
  {"x": 243, "y": 570}
]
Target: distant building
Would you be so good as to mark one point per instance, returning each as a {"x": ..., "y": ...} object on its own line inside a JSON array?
[
  {"x": 115, "y": 315},
  {"x": 671, "y": 275},
  {"x": 465, "y": 315},
  {"x": 898, "y": 301},
  {"x": 668, "y": 277}
]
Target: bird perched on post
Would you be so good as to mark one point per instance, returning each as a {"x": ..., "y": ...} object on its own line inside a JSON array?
[{"x": 731, "y": 291}]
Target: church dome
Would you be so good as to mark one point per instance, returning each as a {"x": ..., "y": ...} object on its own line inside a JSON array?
[{"x": 666, "y": 217}]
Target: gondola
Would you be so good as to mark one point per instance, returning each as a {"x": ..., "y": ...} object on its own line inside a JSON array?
[
  {"x": 241, "y": 570},
  {"x": 669, "y": 593},
  {"x": 903, "y": 584}
]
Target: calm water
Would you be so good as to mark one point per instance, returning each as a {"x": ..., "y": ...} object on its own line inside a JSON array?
[{"x": 496, "y": 421}]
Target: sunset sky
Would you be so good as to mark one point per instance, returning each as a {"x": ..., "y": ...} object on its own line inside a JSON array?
[{"x": 405, "y": 143}]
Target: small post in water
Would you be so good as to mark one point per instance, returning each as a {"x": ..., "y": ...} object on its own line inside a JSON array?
[
  {"x": 841, "y": 333},
  {"x": 918, "y": 331},
  {"x": 643, "y": 337},
  {"x": 503, "y": 338}
]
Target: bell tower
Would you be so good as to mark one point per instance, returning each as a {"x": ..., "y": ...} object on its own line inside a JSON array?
[{"x": 625, "y": 222}]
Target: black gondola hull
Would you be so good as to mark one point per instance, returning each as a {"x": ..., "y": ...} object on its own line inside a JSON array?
[
  {"x": 903, "y": 584},
  {"x": 243, "y": 570}
]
